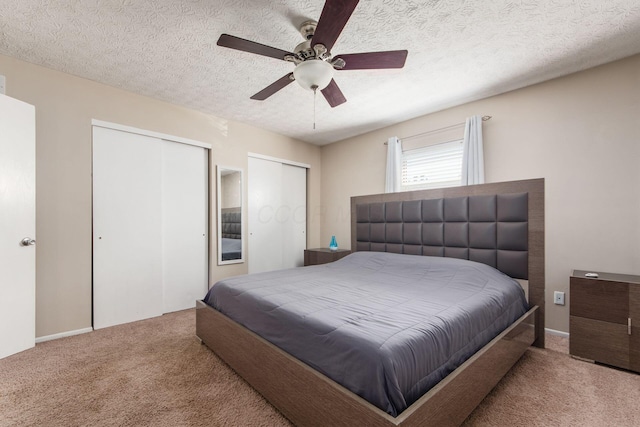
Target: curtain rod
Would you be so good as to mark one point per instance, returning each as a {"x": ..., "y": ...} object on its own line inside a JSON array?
[{"x": 484, "y": 119}]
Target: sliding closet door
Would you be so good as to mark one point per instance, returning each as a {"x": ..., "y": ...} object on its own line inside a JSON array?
[
  {"x": 294, "y": 215},
  {"x": 127, "y": 217},
  {"x": 277, "y": 215},
  {"x": 185, "y": 225},
  {"x": 265, "y": 235},
  {"x": 150, "y": 226}
]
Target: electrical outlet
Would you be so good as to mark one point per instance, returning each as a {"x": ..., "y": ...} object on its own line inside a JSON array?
[
  {"x": 558, "y": 298},
  {"x": 2, "y": 84}
]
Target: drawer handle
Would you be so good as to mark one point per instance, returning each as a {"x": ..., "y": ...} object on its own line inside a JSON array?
[{"x": 629, "y": 325}]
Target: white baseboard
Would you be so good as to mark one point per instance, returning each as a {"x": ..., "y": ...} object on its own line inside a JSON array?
[
  {"x": 557, "y": 333},
  {"x": 63, "y": 335},
  {"x": 85, "y": 330}
]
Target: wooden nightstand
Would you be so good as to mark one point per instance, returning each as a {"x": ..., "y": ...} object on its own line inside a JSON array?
[
  {"x": 323, "y": 255},
  {"x": 604, "y": 322}
]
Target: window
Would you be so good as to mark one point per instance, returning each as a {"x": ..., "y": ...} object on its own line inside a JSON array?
[{"x": 434, "y": 166}]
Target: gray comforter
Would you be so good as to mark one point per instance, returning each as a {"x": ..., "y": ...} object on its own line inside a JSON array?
[{"x": 387, "y": 327}]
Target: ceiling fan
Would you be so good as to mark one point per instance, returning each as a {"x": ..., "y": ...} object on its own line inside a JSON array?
[{"x": 314, "y": 64}]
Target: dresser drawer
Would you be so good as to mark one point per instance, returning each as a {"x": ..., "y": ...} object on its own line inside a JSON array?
[
  {"x": 603, "y": 342},
  {"x": 599, "y": 300}
]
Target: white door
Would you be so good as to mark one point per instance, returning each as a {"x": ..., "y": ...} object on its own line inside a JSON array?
[
  {"x": 17, "y": 221},
  {"x": 265, "y": 237},
  {"x": 185, "y": 225},
  {"x": 277, "y": 215},
  {"x": 294, "y": 218},
  {"x": 127, "y": 244}
]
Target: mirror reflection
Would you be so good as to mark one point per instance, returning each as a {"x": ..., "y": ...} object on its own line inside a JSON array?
[{"x": 230, "y": 242}]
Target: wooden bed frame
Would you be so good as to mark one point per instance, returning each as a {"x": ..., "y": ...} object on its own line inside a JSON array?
[{"x": 307, "y": 397}]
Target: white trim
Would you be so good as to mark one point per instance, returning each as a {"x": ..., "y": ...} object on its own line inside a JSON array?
[
  {"x": 275, "y": 159},
  {"x": 556, "y": 333},
  {"x": 63, "y": 335},
  {"x": 219, "y": 215},
  {"x": 150, "y": 133}
]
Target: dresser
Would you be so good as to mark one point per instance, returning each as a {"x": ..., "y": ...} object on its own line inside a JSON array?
[
  {"x": 323, "y": 255},
  {"x": 604, "y": 321}
]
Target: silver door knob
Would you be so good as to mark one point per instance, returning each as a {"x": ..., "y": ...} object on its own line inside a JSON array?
[{"x": 27, "y": 241}]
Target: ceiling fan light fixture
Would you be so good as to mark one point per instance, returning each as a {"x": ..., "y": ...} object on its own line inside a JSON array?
[{"x": 314, "y": 74}]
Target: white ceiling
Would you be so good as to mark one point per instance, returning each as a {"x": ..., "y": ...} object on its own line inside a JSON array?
[{"x": 459, "y": 51}]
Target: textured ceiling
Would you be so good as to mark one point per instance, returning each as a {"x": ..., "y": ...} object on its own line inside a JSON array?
[{"x": 459, "y": 51}]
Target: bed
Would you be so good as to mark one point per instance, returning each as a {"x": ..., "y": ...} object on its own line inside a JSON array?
[{"x": 501, "y": 225}]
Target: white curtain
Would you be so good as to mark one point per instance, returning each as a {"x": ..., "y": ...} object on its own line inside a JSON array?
[
  {"x": 472, "y": 155},
  {"x": 394, "y": 157}
]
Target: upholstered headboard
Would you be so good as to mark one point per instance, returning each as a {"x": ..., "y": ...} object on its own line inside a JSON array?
[
  {"x": 499, "y": 224},
  {"x": 231, "y": 221},
  {"x": 491, "y": 229}
]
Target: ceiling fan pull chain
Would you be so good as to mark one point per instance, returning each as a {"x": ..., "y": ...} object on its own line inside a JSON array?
[{"x": 315, "y": 94}]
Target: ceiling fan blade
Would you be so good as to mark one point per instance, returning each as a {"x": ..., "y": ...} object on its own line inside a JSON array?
[
  {"x": 237, "y": 43},
  {"x": 333, "y": 18},
  {"x": 373, "y": 60},
  {"x": 273, "y": 88},
  {"x": 333, "y": 94}
]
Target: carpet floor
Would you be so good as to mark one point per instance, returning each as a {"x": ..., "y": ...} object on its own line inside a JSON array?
[{"x": 156, "y": 373}]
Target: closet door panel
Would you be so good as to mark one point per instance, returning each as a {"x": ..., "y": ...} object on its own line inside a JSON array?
[
  {"x": 265, "y": 215},
  {"x": 277, "y": 214},
  {"x": 127, "y": 244},
  {"x": 294, "y": 215},
  {"x": 184, "y": 225}
]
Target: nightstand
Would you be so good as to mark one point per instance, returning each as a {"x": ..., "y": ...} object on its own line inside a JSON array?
[
  {"x": 604, "y": 322},
  {"x": 323, "y": 255}
]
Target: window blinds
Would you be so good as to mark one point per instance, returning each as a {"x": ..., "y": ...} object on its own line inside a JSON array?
[{"x": 434, "y": 166}]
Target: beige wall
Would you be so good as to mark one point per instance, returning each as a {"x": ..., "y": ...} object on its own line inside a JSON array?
[
  {"x": 230, "y": 190},
  {"x": 581, "y": 133},
  {"x": 578, "y": 132},
  {"x": 65, "y": 106}
]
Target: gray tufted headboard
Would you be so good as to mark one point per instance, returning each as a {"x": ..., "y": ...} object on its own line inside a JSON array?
[
  {"x": 499, "y": 224},
  {"x": 231, "y": 223},
  {"x": 491, "y": 229}
]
